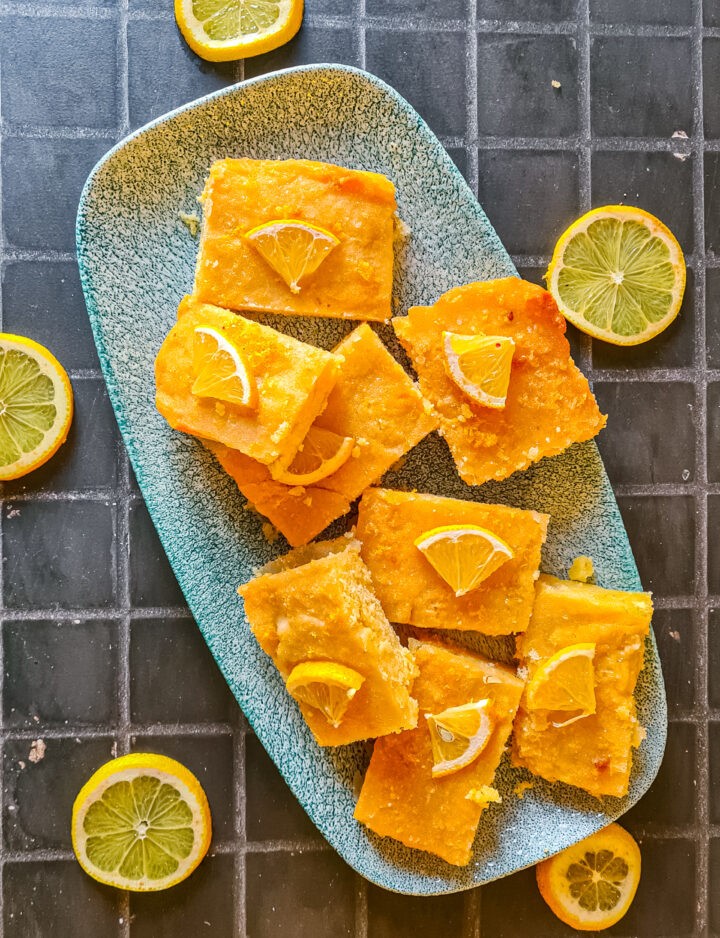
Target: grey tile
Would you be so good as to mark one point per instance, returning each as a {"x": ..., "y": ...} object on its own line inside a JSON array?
[
  {"x": 538, "y": 11},
  {"x": 402, "y": 57},
  {"x": 641, "y": 86},
  {"x": 210, "y": 759},
  {"x": 656, "y": 524},
  {"x": 575, "y": 338},
  {"x": 47, "y": 900},
  {"x": 712, "y": 316},
  {"x": 58, "y": 554},
  {"x": 714, "y": 754},
  {"x": 152, "y": 582},
  {"x": 658, "y": 182},
  {"x": 272, "y": 811},
  {"x": 171, "y": 654},
  {"x": 59, "y": 673},
  {"x": 714, "y": 544},
  {"x": 395, "y": 916},
  {"x": 38, "y": 796},
  {"x": 530, "y": 197},
  {"x": 676, "y": 635},
  {"x": 673, "y": 348},
  {"x": 183, "y": 77},
  {"x": 311, "y": 44},
  {"x": 516, "y": 97},
  {"x": 44, "y": 301},
  {"x": 672, "y": 797},
  {"x": 201, "y": 905},
  {"x": 714, "y": 886},
  {"x": 447, "y": 10},
  {"x": 635, "y": 445},
  {"x": 88, "y": 458},
  {"x": 459, "y": 157},
  {"x": 55, "y": 85},
  {"x": 714, "y": 658},
  {"x": 711, "y": 88},
  {"x": 711, "y": 13},
  {"x": 41, "y": 184},
  {"x": 304, "y": 895},
  {"x": 654, "y": 12},
  {"x": 713, "y": 431},
  {"x": 512, "y": 907},
  {"x": 712, "y": 204}
]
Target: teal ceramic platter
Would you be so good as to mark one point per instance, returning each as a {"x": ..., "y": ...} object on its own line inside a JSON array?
[{"x": 136, "y": 261}]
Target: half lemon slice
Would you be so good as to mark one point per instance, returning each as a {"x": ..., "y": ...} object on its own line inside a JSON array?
[
  {"x": 480, "y": 365},
  {"x": 36, "y": 405},
  {"x": 463, "y": 554},
  {"x": 224, "y": 30},
  {"x": 565, "y": 682},
  {"x": 294, "y": 249},
  {"x": 221, "y": 369},
  {"x": 458, "y": 736},
  {"x": 321, "y": 453},
  {"x": 325, "y": 685},
  {"x": 142, "y": 822},
  {"x": 618, "y": 274}
]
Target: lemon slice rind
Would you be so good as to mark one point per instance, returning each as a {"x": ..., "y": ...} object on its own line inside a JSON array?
[
  {"x": 255, "y": 34},
  {"x": 450, "y": 534}
]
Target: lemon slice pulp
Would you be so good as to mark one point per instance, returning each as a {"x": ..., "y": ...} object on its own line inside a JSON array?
[
  {"x": 294, "y": 249},
  {"x": 463, "y": 554},
  {"x": 480, "y": 365},
  {"x": 321, "y": 454},
  {"x": 221, "y": 369},
  {"x": 223, "y": 30},
  {"x": 591, "y": 885},
  {"x": 458, "y": 736},
  {"x": 142, "y": 822},
  {"x": 36, "y": 405},
  {"x": 326, "y": 686},
  {"x": 565, "y": 682},
  {"x": 618, "y": 274}
]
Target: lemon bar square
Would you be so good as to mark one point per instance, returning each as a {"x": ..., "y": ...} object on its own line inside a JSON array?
[
  {"x": 595, "y": 752},
  {"x": 549, "y": 403},
  {"x": 399, "y": 797},
  {"x": 354, "y": 281},
  {"x": 410, "y": 589},
  {"x": 324, "y": 609},
  {"x": 373, "y": 401},
  {"x": 294, "y": 381}
]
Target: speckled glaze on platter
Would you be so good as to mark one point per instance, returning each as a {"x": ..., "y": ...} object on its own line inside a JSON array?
[{"x": 136, "y": 261}]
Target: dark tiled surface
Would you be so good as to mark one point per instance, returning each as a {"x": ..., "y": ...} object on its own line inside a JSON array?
[{"x": 97, "y": 647}]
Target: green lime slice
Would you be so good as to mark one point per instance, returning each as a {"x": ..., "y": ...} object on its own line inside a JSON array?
[
  {"x": 27, "y": 408},
  {"x": 224, "y": 20}
]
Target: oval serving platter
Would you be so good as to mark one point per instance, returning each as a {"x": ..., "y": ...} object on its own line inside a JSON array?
[{"x": 136, "y": 261}]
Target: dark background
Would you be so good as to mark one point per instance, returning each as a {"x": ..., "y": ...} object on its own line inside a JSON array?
[{"x": 99, "y": 653}]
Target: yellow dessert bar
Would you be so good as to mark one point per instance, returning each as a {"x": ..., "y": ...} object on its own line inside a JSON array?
[
  {"x": 294, "y": 380},
  {"x": 410, "y": 589},
  {"x": 399, "y": 797},
  {"x": 324, "y": 610},
  {"x": 354, "y": 281},
  {"x": 549, "y": 403},
  {"x": 373, "y": 401},
  {"x": 595, "y": 752}
]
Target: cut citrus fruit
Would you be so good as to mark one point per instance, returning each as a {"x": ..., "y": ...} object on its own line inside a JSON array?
[
  {"x": 224, "y": 30},
  {"x": 463, "y": 554},
  {"x": 36, "y": 405},
  {"x": 565, "y": 682},
  {"x": 590, "y": 885},
  {"x": 618, "y": 274},
  {"x": 294, "y": 249},
  {"x": 325, "y": 685},
  {"x": 581, "y": 569},
  {"x": 142, "y": 822},
  {"x": 221, "y": 370},
  {"x": 458, "y": 736},
  {"x": 480, "y": 365},
  {"x": 322, "y": 452}
]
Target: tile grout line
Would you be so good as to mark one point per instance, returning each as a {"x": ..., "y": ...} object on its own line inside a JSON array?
[
  {"x": 585, "y": 146},
  {"x": 471, "y": 99},
  {"x": 241, "y": 843}
]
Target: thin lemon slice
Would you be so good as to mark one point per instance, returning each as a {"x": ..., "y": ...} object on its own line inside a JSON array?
[
  {"x": 463, "y": 554},
  {"x": 322, "y": 453},
  {"x": 36, "y": 405},
  {"x": 142, "y": 822},
  {"x": 458, "y": 736},
  {"x": 224, "y": 30},
  {"x": 565, "y": 682},
  {"x": 591, "y": 885},
  {"x": 480, "y": 365},
  {"x": 221, "y": 369},
  {"x": 618, "y": 274},
  {"x": 325, "y": 685},
  {"x": 294, "y": 249}
]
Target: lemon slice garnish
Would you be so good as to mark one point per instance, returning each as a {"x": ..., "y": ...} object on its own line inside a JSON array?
[
  {"x": 321, "y": 453},
  {"x": 458, "y": 736},
  {"x": 463, "y": 554},
  {"x": 480, "y": 365},
  {"x": 224, "y": 30},
  {"x": 294, "y": 249},
  {"x": 565, "y": 682},
  {"x": 221, "y": 369},
  {"x": 326, "y": 686}
]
